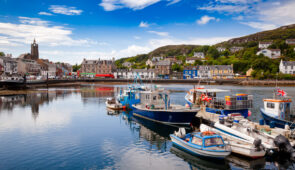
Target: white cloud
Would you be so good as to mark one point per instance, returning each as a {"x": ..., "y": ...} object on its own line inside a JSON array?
[
  {"x": 260, "y": 25},
  {"x": 159, "y": 33},
  {"x": 171, "y": 2},
  {"x": 137, "y": 37},
  {"x": 205, "y": 19},
  {"x": 110, "y": 5},
  {"x": 279, "y": 14},
  {"x": 239, "y": 18},
  {"x": 30, "y": 28},
  {"x": 131, "y": 50},
  {"x": 45, "y": 13},
  {"x": 65, "y": 10},
  {"x": 143, "y": 24},
  {"x": 225, "y": 8},
  {"x": 237, "y": 1},
  {"x": 32, "y": 21}
]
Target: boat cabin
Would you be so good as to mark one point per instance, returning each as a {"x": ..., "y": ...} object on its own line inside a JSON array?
[
  {"x": 205, "y": 140},
  {"x": 278, "y": 108},
  {"x": 155, "y": 99}
]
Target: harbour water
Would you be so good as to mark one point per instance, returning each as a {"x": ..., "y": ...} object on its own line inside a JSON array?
[{"x": 70, "y": 128}]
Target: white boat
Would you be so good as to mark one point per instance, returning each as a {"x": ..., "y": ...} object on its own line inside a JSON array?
[
  {"x": 238, "y": 145},
  {"x": 112, "y": 103},
  {"x": 204, "y": 144}
]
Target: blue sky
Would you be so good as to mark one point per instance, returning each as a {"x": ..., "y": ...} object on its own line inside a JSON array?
[{"x": 70, "y": 30}]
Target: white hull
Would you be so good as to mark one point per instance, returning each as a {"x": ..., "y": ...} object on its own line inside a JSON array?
[
  {"x": 114, "y": 106},
  {"x": 238, "y": 145},
  {"x": 201, "y": 152}
]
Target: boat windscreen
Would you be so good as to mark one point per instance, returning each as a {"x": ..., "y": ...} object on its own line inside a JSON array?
[{"x": 214, "y": 141}]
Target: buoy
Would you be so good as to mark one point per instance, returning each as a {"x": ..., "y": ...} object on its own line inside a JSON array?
[{"x": 249, "y": 113}]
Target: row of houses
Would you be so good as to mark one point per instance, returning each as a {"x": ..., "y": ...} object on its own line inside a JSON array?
[
  {"x": 20, "y": 66},
  {"x": 209, "y": 72}
]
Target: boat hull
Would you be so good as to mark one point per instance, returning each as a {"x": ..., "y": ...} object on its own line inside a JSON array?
[
  {"x": 277, "y": 122},
  {"x": 198, "y": 151},
  {"x": 238, "y": 145},
  {"x": 114, "y": 106},
  {"x": 166, "y": 116}
]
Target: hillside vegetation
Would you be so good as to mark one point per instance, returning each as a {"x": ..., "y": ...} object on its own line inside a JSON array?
[{"x": 264, "y": 68}]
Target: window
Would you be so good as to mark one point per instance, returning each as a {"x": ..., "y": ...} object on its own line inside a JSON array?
[
  {"x": 197, "y": 141},
  {"x": 213, "y": 141},
  {"x": 270, "y": 105},
  {"x": 154, "y": 97}
]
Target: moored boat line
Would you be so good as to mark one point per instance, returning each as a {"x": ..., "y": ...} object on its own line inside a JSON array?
[{"x": 227, "y": 118}]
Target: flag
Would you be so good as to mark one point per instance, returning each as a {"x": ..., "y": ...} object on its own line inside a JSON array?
[{"x": 281, "y": 92}]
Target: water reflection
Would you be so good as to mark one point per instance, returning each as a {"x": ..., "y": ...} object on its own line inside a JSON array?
[{"x": 70, "y": 127}]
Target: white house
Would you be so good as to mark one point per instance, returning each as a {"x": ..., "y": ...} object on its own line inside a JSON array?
[
  {"x": 156, "y": 59},
  {"x": 265, "y": 44},
  {"x": 9, "y": 65},
  {"x": 270, "y": 53},
  {"x": 236, "y": 49},
  {"x": 290, "y": 41},
  {"x": 200, "y": 55},
  {"x": 191, "y": 60},
  {"x": 150, "y": 63},
  {"x": 287, "y": 67},
  {"x": 221, "y": 49},
  {"x": 142, "y": 73},
  {"x": 204, "y": 72},
  {"x": 127, "y": 64}
]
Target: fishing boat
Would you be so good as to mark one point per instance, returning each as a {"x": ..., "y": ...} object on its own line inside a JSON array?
[
  {"x": 238, "y": 103},
  {"x": 205, "y": 144},
  {"x": 130, "y": 96},
  {"x": 238, "y": 145},
  {"x": 112, "y": 103},
  {"x": 155, "y": 106},
  {"x": 277, "y": 111}
]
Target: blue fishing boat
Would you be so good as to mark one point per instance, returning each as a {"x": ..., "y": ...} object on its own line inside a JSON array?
[
  {"x": 238, "y": 103},
  {"x": 155, "y": 106},
  {"x": 131, "y": 96},
  {"x": 205, "y": 144},
  {"x": 277, "y": 111}
]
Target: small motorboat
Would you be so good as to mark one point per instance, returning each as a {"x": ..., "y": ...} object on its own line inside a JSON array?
[
  {"x": 205, "y": 144},
  {"x": 277, "y": 111},
  {"x": 112, "y": 103},
  {"x": 238, "y": 145}
]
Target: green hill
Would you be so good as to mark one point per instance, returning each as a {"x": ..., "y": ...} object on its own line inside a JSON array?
[{"x": 242, "y": 60}]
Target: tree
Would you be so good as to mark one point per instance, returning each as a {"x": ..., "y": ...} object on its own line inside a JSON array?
[
  {"x": 2, "y": 54},
  {"x": 213, "y": 52},
  {"x": 76, "y": 67},
  {"x": 176, "y": 67}
]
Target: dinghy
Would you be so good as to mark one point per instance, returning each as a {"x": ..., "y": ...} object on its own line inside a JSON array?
[
  {"x": 204, "y": 144},
  {"x": 112, "y": 103},
  {"x": 238, "y": 145}
]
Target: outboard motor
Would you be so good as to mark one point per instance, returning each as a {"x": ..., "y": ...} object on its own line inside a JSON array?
[
  {"x": 181, "y": 133},
  {"x": 284, "y": 146},
  {"x": 257, "y": 144}
]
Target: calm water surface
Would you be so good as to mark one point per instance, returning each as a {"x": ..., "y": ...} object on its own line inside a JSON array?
[{"x": 68, "y": 128}]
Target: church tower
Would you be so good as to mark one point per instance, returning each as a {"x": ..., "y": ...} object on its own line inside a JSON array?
[{"x": 34, "y": 51}]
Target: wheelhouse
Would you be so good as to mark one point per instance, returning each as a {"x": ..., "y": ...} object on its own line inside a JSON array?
[{"x": 279, "y": 108}]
